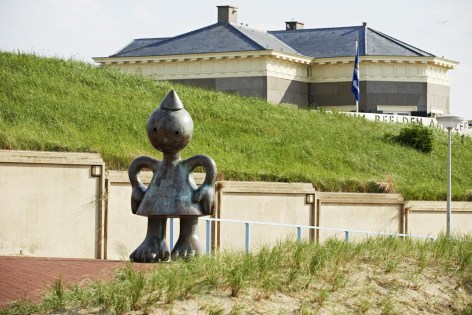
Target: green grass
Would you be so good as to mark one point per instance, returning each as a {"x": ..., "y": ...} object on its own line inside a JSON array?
[
  {"x": 353, "y": 275},
  {"x": 64, "y": 105}
]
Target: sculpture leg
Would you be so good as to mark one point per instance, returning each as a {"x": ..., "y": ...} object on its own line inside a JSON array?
[
  {"x": 188, "y": 243},
  {"x": 154, "y": 247}
]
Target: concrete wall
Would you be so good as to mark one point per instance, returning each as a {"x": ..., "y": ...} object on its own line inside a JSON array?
[
  {"x": 367, "y": 212},
  {"x": 50, "y": 204},
  {"x": 374, "y": 93},
  {"x": 396, "y": 93},
  {"x": 430, "y": 217},
  {"x": 333, "y": 94},
  {"x": 272, "y": 89},
  {"x": 438, "y": 98},
  {"x": 287, "y": 91},
  {"x": 269, "y": 202},
  {"x": 124, "y": 231},
  {"x": 244, "y": 86},
  {"x": 426, "y": 97}
]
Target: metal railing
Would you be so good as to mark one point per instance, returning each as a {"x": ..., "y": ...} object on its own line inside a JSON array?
[{"x": 247, "y": 223}]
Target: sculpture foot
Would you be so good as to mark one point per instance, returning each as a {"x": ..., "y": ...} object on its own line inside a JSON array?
[
  {"x": 188, "y": 244},
  {"x": 187, "y": 247},
  {"x": 152, "y": 249}
]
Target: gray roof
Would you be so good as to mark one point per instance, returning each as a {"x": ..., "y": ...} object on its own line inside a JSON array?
[
  {"x": 219, "y": 37},
  {"x": 265, "y": 39},
  {"x": 318, "y": 43},
  {"x": 138, "y": 43},
  {"x": 379, "y": 44},
  {"x": 339, "y": 42}
]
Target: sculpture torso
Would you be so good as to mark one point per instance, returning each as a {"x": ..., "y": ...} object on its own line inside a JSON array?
[{"x": 170, "y": 192}]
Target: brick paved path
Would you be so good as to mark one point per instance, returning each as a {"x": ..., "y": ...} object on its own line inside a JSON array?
[{"x": 27, "y": 277}]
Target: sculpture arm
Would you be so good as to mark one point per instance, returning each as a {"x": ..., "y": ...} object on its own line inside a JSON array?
[
  {"x": 205, "y": 194},
  {"x": 138, "y": 188},
  {"x": 207, "y": 163}
]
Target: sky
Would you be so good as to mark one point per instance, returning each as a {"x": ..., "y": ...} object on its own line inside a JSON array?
[{"x": 82, "y": 29}]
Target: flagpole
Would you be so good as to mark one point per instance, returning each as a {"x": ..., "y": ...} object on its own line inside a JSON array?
[
  {"x": 357, "y": 54},
  {"x": 355, "y": 77}
]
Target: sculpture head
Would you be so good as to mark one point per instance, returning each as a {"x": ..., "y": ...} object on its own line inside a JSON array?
[{"x": 170, "y": 127}]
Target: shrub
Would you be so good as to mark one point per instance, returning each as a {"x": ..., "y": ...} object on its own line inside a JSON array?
[{"x": 416, "y": 136}]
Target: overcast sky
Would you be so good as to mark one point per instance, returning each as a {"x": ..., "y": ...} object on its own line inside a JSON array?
[{"x": 83, "y": 29}]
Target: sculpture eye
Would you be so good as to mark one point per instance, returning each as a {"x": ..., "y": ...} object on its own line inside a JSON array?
[
  {"x": 177, "y": 132},
  {"x": 155, "y": 129}
]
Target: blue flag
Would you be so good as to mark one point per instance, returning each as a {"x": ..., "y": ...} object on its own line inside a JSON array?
[{"x": 355, "y": 76}]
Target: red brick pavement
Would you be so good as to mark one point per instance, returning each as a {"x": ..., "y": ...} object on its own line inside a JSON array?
[{"x": 28, "y": 277}]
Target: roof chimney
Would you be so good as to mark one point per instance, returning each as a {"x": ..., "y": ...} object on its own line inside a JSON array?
[
  {"x": 227, "y": 14},
  {"x": 294, "y": 25}
]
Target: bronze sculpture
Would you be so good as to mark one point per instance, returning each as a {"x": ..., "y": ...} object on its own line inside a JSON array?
[{"x": 172, "y": 192}]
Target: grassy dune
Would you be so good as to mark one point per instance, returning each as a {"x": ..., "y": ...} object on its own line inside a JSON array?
[
  {"x": 65, "y": 105},
  {"x": 384, "y": 275}
]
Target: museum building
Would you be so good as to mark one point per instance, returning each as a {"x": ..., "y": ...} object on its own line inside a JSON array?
[{"x": 307, "y": 67}]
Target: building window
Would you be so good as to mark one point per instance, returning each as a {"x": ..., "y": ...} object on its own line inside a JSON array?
[
  {"x": 398, "y": 113},
  {"x": 401, "y": 110}
]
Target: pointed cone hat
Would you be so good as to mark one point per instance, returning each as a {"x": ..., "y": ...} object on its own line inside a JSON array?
[{"x": 171, "y": 102}]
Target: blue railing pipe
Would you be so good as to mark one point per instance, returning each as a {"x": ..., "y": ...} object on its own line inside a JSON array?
[{"x": 347, "y": 232}]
